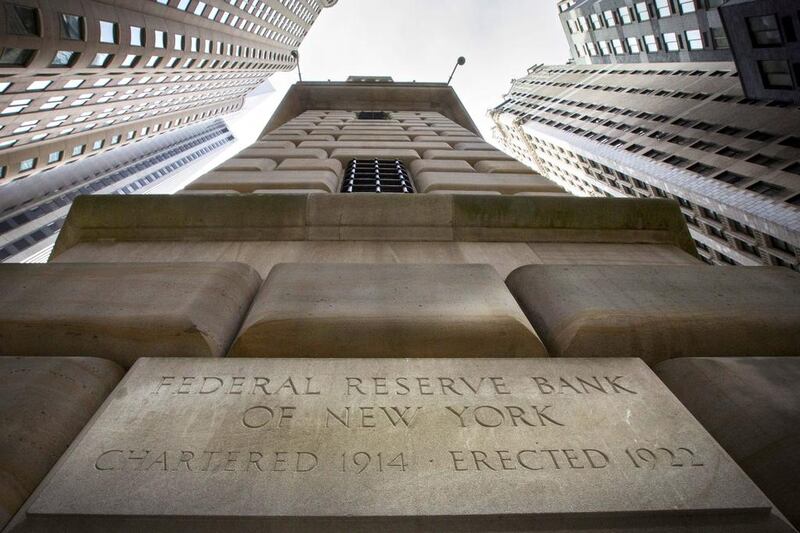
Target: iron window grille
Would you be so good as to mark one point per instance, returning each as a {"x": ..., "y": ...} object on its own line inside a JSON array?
[{"x": 377, "y": 175}]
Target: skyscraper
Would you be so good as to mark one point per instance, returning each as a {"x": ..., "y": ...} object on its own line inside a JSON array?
[
  {"x": 372, "y": 319},
  {"x": 673, "y": 130},
  {"x": 81, "y": 78}
]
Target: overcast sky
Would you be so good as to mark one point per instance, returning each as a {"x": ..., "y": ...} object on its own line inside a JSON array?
[{"x": 421, "y": 40}]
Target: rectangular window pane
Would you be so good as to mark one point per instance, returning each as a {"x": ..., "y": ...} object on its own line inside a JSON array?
[
  {"x": 642, "y": 12},
  {"x": 694, "y": 40},
  {"x": 22, "y": 20},
  {"x": 775, "y": 74},
  {"x": 108, "y": 32},
  {"x": 671, "y": 42},
  {"x": 764, "y": 31},
  {"x": 137, "y": 36},
  {"x": 71, "y": 27},
  {"x": 663, "y": 8},
  {"x": 15, "y": 57},
  {"x": 687, "y": 6}
]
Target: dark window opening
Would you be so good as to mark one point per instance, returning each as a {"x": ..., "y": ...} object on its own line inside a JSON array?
[
  {"x": 372, "y": 115},
  {"x": 377, "y": 175},
  {"x": 22, "y": 20}
]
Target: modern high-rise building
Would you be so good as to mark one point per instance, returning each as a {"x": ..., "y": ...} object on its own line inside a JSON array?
[
  {"x": 646, "y": 31},
  {"x": 32, "y": 211},
  {"x": 83, "y": 77},
  {"x": 673, "y": 130},
  {"x": 373, "y": 319}
]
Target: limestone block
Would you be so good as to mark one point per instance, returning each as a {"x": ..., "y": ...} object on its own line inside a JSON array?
[
  {"x": 207, "y": 191},
  {"x": 123, "y": 311},
  {"x": 273, "y": 144},
  {"x": 346, "y": 154},
  {"x": 751, "y": 406},
  {"x": 471, "y": 156},
  {"x": 503, "y": 183},
  {"x": 348, "y": 137},
  {"x": 447, "y": 138},
  {"x": 378, "y": 145},
  {"x": 44, "y": 403},
  {"x": 248, "y": 164},
  {"x": 466, "y": 445},
  {"x": 372, "y": 126},
  {"x": 466, "y": 192},
  {"x": 282, "y": 136},
  {"x": 291, "y": 191},
  {"x": 367, "y": 310},
  {"x": 473, "y": 146},
  {"x": 295, "y": 138},
  {"x": 439, "y": 165},
  {"x": 274, "y": 179},
  {"x": 333, "y": 165},
  {"x": 504, "y": 167},
  {"x": 406, "y": 217},
  {"x": 661, "y": 312},
  {"x": 279, "y": 154}
]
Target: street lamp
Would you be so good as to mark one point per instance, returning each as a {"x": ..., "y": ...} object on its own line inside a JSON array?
[
  {"x": 296, "y": 55},
  {"x": 461, "y": 61}
]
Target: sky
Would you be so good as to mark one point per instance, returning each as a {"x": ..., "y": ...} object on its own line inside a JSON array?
[{"x": 421, "y": 40}]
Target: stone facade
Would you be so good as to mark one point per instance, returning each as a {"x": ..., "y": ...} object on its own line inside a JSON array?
[{"x": 371, "y": 319}]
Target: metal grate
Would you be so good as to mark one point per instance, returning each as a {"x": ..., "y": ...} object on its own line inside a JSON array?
[
  {"x": 372, "y": 115},
  {"x": 377, "y": 175}
]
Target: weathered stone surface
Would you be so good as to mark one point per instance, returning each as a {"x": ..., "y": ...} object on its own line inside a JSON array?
[
  {"x": 273, "y": 179},
  {"x": 439, "y": 165},
  {"x": 507, "y": 167},
  {"x": 346, "y": 154},
  {"x": 249, "y": 164},
  {"x": 751, "y": 406},
  {"x": 44, "y": 403},
  {"x": 661, "y": 312},
  {"x": 590, "y": 445},
  {"x": 471, "y": 156},
  {"x": 123, "y": 311},
  {"x": 312, "y": 164},
  {"x": 502, "y": 183},
  {"x": 363, "y": 310},
  {"x": 279, "y": 154}
]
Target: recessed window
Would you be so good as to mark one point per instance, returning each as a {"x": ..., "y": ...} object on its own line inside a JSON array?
[
  {"x": 102, "y": 82},
  {"x": 178, "y": 41},
  {"x": 15, "y": 57},
  {"x": 764, "y": 31},
  {"x": 137, "y": 36},
  {"x": 101, "y": 59},
  {"x": 765, "y": 188},
  {"x": 663, "y": 8},
  {"x": 78, "y": 150},
  {"x": 160, "y": 39},
  {"x": 198, "y": 9},
  {"x": 651, "y": 43},
  {"x": 73, "y": 84},
  {"x": 642, "y": 11},
  {"x": 775, "y": 74},
  {"x": 633, "y": 45},
  {"x": 27, "y": 164},
  {"x": 672, "y": 42},
  {"x": 153, "y": 61},
  {"x": 64, "y": 58},
  {"x": 55, "y": 157},
  {"x": 702, "y": 169},
  {"x": 39, "y": 85},
  {"x": 183, "y": 4},
  {"x": 195, "y": 44},
  {"x": 22, "y": 20},
  {"x": 172, "y": 62},
  {"x": 764, "y": 160},
  {"x": 98, "y": 144},
  {"x": 376, "y": 175},
  {"x": 694, "y": 40},
  {"x": 130, "y": 61},
  {"x": 687, "y": 6},
  {"x": 71, "y": 27},
  {"x": 759, "y": 136},
  {"x": 794, "y": 168},
  {"x": 130, "y": 135},
  {"x": 109, "y": 32}
]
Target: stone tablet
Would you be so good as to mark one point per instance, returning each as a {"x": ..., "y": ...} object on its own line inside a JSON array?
[{"x": 435, "y": 444}]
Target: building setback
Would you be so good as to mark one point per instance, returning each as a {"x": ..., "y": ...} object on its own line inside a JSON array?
[
  {"x": 673, "y": 130},
  {"x": 85, "y": 77}
]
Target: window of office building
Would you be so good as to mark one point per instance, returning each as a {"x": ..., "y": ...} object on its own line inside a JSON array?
[
  {"x": 694, "y": 40},
  {"x": 672, "y": 42},
  {"x": 71, "y": 27},
  {"x": 633, "y": 45},
  {"x": 109, "y": 32},
  {"x": 101, "y": 59},
  {"x": 137, "y": 36},
  {"x": 765, "y": 188},
  {"x": 719, "y": 38},
  {"x": 642, "y": 11},
  {"x": 625, "y": 15},
  {"x": 597, "y": 22},
  {"x": 764, "y": 31},
  {"x": 619, "y": 48},
  {"x": 78, "y": 150},
  {"x": 376, "y": 175},
  {"x": 775, "y": 74},
  {"x": 64, "y": 58},
  {"x": 608, "y": 15},
  {"x": 651, "y": 43},
  {"x": 55, "y": 157},
  {"x": 160, "y": 39},
  {"x": 663, "y": 8},
  {"x": 27, "y": 164},
  {"x": 22, "y": 20},
  {"x": 687, "y": 6}
]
